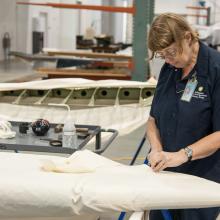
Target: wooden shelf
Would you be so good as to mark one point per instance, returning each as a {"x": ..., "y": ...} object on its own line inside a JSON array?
[
  {"x": 88, "y": 54},
  {"x": 88, "y": 74},
  {"x": 198, "y": 15},
  {"x": 197, "y": 7}
]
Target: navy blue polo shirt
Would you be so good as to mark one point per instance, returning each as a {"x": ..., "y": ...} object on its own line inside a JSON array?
[{"x": 182, "y": 123}]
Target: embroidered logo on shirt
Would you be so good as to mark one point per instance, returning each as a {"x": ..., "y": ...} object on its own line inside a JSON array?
[{"x": 199, "y": 95}]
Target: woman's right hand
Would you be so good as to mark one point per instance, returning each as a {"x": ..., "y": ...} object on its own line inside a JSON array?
[
  {"x": 156, "y": 160},
  {"x": 160, "y": 160}
]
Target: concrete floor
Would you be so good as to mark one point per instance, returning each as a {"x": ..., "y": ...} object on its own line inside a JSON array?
[{"x": 16, "y": 71}]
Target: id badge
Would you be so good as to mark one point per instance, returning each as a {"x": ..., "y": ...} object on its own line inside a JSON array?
[{"x": 189, "y": 89}]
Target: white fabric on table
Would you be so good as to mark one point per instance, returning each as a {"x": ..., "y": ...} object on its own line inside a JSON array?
[{"x": 28, "y": 191}]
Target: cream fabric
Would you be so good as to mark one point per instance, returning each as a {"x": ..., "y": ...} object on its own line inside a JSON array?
[
  {"x": 79, "y": 162},
  {"x": 5, "y": 130},
  {"x": 139, "y": 216},
  {"x": 26, "y": 191},
  {"x": 73, "y": 83}
]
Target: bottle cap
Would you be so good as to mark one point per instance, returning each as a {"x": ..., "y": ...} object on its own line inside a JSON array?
[{"x": 69, "y": 127}]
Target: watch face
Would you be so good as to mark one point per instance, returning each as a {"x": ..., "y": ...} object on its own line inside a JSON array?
[{"x": 189, "y": 152}]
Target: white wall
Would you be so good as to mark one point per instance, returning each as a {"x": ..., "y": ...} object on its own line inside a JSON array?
[
  {"x": 107, "y": 19},
  {"x": 215, "y": 10},
  {"x": 91, "y": 17},
  {"x": 68, "y": 29},
  {"x": 113, "y": 23},
  {"x": 180, "y": 7},
  {"x": 118, "y": 23},
  {"x": 21, "y": 24},
  {"x": 36, "y": 23},
  {"x": 63, "y": 24},
  {"x": 162, "y": 6},
  {"x": 7, "y": 22}
]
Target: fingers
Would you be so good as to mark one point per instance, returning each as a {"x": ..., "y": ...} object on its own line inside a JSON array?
[
  {"x": 159, "y": 166},
  {"x": 160, "y": 160},
  {"x": 154, "y": 156},
  {"x": 157, "y": 161}
]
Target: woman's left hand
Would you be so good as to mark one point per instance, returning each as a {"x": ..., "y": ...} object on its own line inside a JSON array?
[{"x": 172, "y": 159}]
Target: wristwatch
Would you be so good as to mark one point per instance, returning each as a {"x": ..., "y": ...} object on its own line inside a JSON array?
[{"x": 189, "y": 152}]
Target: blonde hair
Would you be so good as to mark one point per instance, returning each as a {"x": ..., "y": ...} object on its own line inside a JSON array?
[{"x": 166, "y": 29}]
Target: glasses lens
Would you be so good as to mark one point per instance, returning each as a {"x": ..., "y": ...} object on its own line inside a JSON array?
[{"x": 169, "y": 53}]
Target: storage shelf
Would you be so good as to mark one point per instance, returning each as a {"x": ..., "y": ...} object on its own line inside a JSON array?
[{"x": 130, "y": 10}]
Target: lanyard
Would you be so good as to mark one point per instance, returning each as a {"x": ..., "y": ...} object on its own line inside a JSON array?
[{"x": 190, "y": 88}]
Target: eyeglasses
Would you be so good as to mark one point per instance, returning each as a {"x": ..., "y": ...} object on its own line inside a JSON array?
[{"x": 168, "y": 53}]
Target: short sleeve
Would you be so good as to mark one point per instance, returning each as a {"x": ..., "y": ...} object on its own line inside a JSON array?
[
  {"x": 162, "y": 78},
  {"x": 216, "y": 103}
]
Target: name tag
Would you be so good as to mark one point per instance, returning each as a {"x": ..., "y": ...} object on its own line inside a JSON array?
[{"x": 189, "y": 89}]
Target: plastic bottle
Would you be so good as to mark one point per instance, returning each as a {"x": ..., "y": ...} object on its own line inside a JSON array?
[{"x": 69, "y": 136}]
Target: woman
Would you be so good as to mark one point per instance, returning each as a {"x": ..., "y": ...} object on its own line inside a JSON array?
[{"x": 184, "y": 123}]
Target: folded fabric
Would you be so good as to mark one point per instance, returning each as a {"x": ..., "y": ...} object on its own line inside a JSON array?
[
  {"x": 5, "y": 130},
  {"x": 79, "y": 162}
]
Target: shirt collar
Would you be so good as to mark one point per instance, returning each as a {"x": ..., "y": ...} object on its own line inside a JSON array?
[{"x": 201, "y": 66}]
